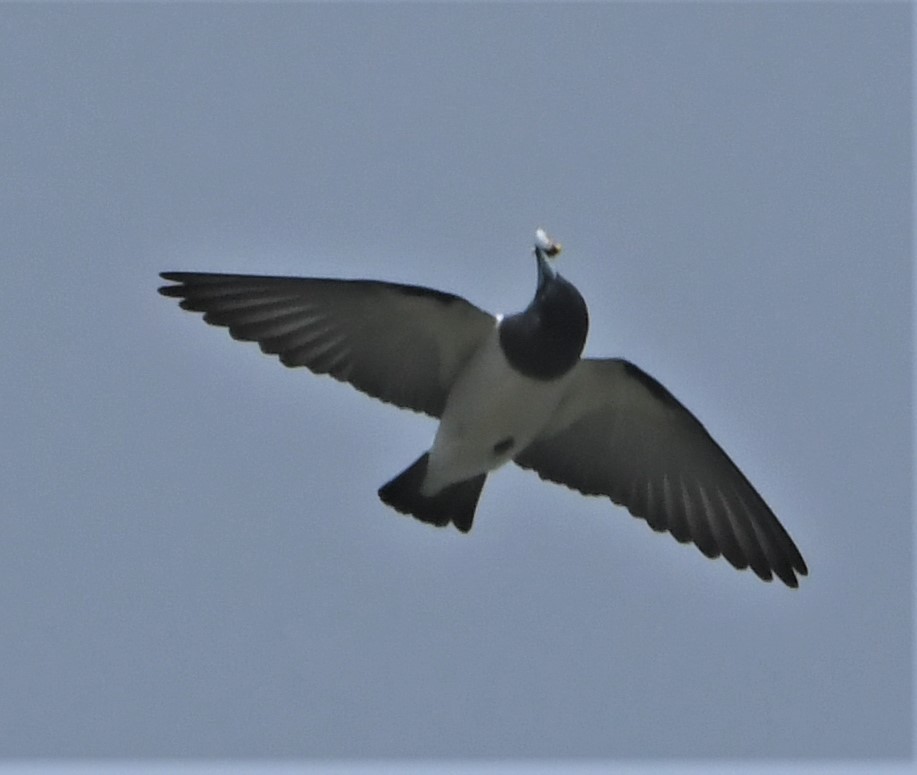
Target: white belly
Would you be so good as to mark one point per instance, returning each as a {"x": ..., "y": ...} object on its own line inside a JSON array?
[{"x": 492, "y": 413}]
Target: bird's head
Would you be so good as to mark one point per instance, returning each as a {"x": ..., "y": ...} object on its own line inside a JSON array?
[{"x": 546, "y": 250}]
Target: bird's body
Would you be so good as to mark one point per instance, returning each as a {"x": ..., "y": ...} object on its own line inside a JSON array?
[
  {"x": 506, "y": 388},
  {"x": 492, "y": 412}
]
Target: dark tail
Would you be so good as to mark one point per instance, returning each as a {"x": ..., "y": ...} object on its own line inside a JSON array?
[{"x": 455, "y": 503}]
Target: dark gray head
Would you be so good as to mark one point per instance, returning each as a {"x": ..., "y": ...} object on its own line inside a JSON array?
[{"x": 546, "y": 339}]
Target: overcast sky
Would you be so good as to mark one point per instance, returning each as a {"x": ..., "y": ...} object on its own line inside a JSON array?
[{"x": 193, "y": 559}]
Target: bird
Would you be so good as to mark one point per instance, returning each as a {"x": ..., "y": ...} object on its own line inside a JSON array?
[{"x": 506, "y": 388}]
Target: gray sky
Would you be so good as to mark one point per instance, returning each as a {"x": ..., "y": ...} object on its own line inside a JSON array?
[{"x": 193, "y": 559}]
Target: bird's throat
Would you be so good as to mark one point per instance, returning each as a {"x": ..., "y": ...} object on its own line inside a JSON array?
[{"x": 546, "y": 340}]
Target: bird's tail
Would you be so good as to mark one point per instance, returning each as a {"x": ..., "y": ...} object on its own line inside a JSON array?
[{"x": 455, "y": 503}]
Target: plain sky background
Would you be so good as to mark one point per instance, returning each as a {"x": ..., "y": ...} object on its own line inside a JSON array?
[{"x": 193, "y": 558}]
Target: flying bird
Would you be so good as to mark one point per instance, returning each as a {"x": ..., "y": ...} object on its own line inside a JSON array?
[{"x": 506, "y": 388}]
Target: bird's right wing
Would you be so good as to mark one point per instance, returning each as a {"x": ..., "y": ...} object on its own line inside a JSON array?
[
  {"x": 621, "y": 434},
  {"x": 402, "y": 344}
]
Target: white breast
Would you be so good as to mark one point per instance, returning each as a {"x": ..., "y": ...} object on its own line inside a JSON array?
[{"x": 492, "y": 413}]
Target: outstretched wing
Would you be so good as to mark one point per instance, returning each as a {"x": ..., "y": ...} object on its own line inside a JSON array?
[
  {"x": 399, "y": 343},
  {"x": 622, "y": 434}
]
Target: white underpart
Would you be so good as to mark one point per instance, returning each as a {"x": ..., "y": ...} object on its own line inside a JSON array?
[{"x": 490, "y": 402}]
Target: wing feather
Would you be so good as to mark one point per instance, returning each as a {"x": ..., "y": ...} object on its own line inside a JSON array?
[
  {"x": 402, "y": 344},
  {"x": 621, "y": 434}
]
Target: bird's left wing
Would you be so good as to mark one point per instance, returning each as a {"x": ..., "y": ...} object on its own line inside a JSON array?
[
  {"x": 402, "y": 344},
  {"x": 620, "y": 433}
]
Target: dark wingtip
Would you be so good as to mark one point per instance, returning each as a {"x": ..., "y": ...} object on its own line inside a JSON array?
[
  {"x": 792, "y": 567},
  {"x": 171, "y": 290},
  {"x": 787, "y": 575}
]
